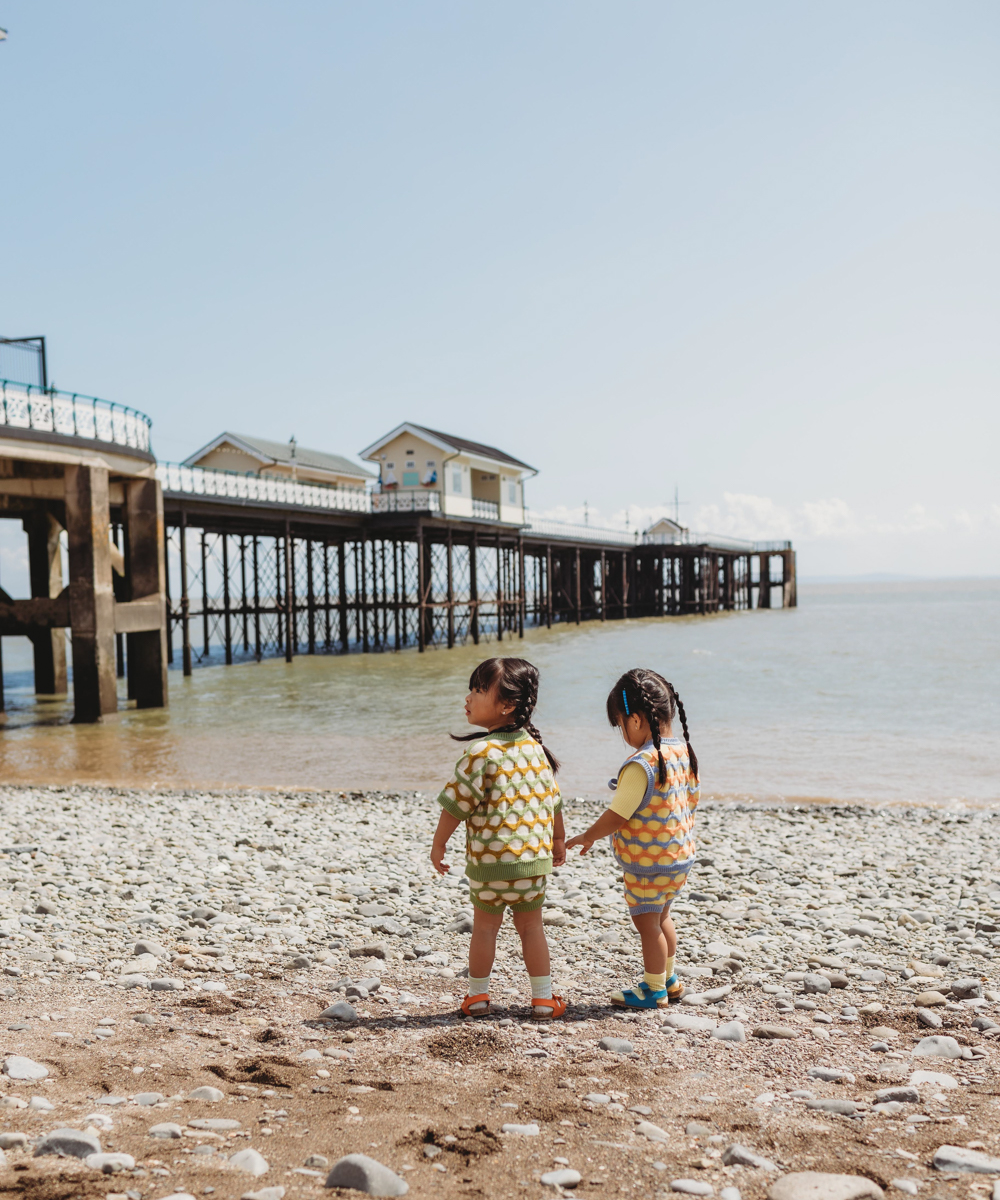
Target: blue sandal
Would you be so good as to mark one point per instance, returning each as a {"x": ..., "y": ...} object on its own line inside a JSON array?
[
  {"x": 675, "y": 990},
  {"x": 641, "y": 996}
]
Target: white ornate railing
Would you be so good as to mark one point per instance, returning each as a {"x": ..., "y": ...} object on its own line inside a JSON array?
[
  {"x": 406, "y": 501},
  {"x": 579, "y": 533},
  {"x": 488, "y": 510},
  {"x": 25, "y": 406},
  {"x": 260, "y": 489}
]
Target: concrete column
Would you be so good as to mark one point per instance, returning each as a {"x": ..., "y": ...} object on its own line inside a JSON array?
[
  {"x": 789, "y": 590},
  {"x": 146, "y": 652},
  {"x": 45, "y": 572},
  {"x": 91, "y": 600}
]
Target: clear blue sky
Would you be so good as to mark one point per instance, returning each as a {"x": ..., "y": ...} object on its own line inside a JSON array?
[{"x": 750, "y": 250}]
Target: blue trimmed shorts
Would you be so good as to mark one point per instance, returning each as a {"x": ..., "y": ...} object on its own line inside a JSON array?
[{"x": 654, "y": 892}]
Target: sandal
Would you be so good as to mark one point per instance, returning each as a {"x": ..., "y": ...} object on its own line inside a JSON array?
[
  {"x": 642, "y": 996},
  {"x": 555, "y": 1004},
  {"x": 476, "y": 1006},
  {"x": 675, "y": 990}
]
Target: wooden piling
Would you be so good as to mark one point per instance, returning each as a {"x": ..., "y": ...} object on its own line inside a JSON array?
[
  {"x": 145, "y": 564},
  {"x": 92, "y": 606},
  {"x": 45, "y": 573}
]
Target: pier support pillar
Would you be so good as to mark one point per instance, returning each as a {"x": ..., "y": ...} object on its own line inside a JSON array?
[
  {"x": 789, "y": 583},
  {"x": 146, "y": 651},
  {"x": 91, "y": 599},
  {"x": 764, "y": 575},
  {"x": 45, "y": 571}
]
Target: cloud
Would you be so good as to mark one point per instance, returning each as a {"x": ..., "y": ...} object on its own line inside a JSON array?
[{"x": 760, "y": 518}]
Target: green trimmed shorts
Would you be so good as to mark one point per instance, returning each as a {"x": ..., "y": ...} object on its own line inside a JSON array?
[{"x": 519, "y": 895}]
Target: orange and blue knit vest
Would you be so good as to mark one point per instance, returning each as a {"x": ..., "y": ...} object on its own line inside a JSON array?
[{"x": 659, "y": 833}]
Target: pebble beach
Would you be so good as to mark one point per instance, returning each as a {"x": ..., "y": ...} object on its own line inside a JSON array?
[{"x": 255, "y": 994}]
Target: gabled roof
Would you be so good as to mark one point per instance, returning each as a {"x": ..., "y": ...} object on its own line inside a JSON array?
[
  {"x": 270, "y": 453},
  {"x": 448, "y": 441}
]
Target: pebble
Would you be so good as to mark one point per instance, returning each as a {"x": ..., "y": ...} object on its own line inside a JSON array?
[
  {"x": 216, "y": 1123},
  {"x": 844, "y": 1108},
  {"x": 740, "y": 1156},
  {"x": 531, "y": 1130},
  {"x": 652, "y": 1133},
  {"x": 249, "y": 1160},
  {"x": 565, "y": 1178},
  {"x": 817, "y": 1185},
  {"x": 937, "y": 1046},
  {"x": 616, "y": 1045},
  {"x": 72, "y": 1143},
  {"x": 18, "y": 1067},
  {"x": 926, "y": 1017},
  {"x": 365, "y": 1174},
  {"x": 730, "y": 1193},
  {"x": 692, "y": 1187},
  {"x": 110, "y": 1163},
  {"x": 341, "y": 1011},
  {"x": 147, "y": 1099},
  {"x": 10, "y": 1141},
  {"x": 731, "y": 1031},
  {"x": 268, "y": 1193},
  {"x": 830, "y": 1075},
  {"x": 934, "y": 1079},
  {"x": 775, "y": 1032},
  {"x": 166, "y": 1129},
  {"x": 958, "y": 1158},
  {"x": 815, "y": 984},
  {"x": 683, "y": 1021},
  {"x": 930, "y": 1000},
  {"x": 212, "y": 1094}
]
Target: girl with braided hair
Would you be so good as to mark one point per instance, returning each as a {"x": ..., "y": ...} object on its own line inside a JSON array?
[
  {"x": 649, "y": 824},
  {"x": 504, "y": 792}
]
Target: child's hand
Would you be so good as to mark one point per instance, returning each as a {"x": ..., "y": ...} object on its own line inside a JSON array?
[
  {"x": 581, "y": 840},
  {"x": 437, "y": 858},
  {"x": 558, "y": 852}
]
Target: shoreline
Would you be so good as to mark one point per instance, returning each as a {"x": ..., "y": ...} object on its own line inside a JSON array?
[{"x": 263, "y": 908}]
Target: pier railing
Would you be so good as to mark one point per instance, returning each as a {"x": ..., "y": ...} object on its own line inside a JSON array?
[
  {"x": 261, "y": 489},
  {"x": 25, "y": 406},
  {"x": 406, "y": 501}
]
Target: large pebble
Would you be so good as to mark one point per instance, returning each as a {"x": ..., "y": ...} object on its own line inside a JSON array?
[
  {"x": 147, "y": 1099},
  {"x": 815, "y": 984},
  {"x": 775, "y": 1032},
  {"x": 249, "y": 1160},
  {"x": 216, "y": 1123},
  {"x": 19, "y": 1067},
  {"x": 904, "y": 1095},
  {"x": 930, "y": 1000},
  {"x": 166, "y": 1129},
  {"x": 732, "y": 1031},
  {"x": 212, "y": 1094},
  {"x": 267, "y": 1193},
  {"x": 830, "y": 1074},
  {"x": 365, "y": 1174},
  {"x": 929, "y": 1018},
  {"x": 110, "y": 1163},
  {"x": 531, "y": 1130},
  {"x": 739, "y": 1156},
  {"x": 936, "y": 1079},
  {"x": 958, "y": 1158},
  {"x": 616, "y": 1045},
  {"x": 73, "y": 1143},
  {"x": 565, "y": 1178},
  {"x": 937, "y": 1046},
  {"x": 652, "y": 1133},
  {"x": 843, "y": 1108},
  {"x": 817, "y": 1185},
  {"x": 341, "y": 1011},
  {"x": 967, "y": 989},
  {"x": 710, "y": 997},
  {"x": 685, "y": 1022},
  {"x": 692, "y": 1187}
]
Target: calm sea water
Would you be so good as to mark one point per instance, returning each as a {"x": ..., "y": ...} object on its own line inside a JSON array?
[{"x": 880, "y": 692}]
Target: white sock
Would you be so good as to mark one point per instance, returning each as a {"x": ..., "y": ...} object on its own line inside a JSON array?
[
  {"x": 541, "y": 987},
  {"x": 478, "y": 987}
]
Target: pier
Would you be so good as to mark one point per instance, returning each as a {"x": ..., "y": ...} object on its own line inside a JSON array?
[{"x": 180, "y": 564}]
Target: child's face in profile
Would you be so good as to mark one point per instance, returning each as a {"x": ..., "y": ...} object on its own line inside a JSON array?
[{"x": 486, "y": 709}]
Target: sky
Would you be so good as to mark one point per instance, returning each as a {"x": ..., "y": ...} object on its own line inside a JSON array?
[{"x": 744, "y": 251}]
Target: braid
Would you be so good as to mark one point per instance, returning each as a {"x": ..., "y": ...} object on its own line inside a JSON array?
[
  {"x": 653, "y": 721},
  {"x": 692, "y": 757},
  {"x": 533, "y": 730},
  {"x": 516, "y": 681}
]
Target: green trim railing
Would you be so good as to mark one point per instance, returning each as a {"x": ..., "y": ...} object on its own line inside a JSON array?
[{"x": 70, "y": 414}]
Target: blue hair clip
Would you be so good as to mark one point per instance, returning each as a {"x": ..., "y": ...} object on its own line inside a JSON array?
[{"x": 625, "y": 699}]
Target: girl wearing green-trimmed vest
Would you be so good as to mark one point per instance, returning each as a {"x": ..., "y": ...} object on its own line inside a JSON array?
[
  {"x": 504, "y": 792},
  {"x": 650, "y": 824}
]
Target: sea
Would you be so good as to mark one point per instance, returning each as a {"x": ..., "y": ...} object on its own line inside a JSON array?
[{"x": 885, "y": 693}]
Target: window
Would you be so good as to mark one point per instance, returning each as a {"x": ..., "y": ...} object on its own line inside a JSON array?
[
  {"x": 391, "y": 466},
  {"x": 456, "y": 481},
  {"x": 430, "y": 462},
  {"x": 512, "y": 493},
  {"x": 411, "y": 463}
]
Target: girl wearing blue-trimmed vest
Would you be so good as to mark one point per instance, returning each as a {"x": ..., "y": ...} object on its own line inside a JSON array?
[{"x": 650, "y": 824}]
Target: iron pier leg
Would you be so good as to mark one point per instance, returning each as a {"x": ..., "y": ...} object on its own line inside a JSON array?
[
  {"x": 244, "y": 607},
  {"x": 258, "y": 648},
  {"x": 451, "y": 596},
  {"x": 290, "y": 631},
  {"x": 500, "y": 566},
  {"x": 204, "y": 593},
  {"x": 227, "y": 627},
  {"x": 396, "y": 548},
  {"x": 327, "y": 631},
  {"x": 310, "y": 598},
  {"x": 342, "y": 598},
  {"x": 521, "y": 589},
  {"x": 185, "y": 601},
  {"x": 473, "y": 590},
  {"x": 45, "y": 570}
]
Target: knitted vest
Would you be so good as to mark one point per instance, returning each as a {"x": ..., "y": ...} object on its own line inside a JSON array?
[
  {"x": 504, "y": 791},
  {"x": 659, "y": 833}
]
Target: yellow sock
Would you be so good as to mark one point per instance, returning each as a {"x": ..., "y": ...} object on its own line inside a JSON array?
[
  {"x": 656, "y": 982},
  {"x": 670, "y": 966}
]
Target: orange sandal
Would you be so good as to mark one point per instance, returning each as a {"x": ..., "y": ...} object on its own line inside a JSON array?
[
  {"x": 556, "y": 1003},
  {"x": 470, "y": 1001}
]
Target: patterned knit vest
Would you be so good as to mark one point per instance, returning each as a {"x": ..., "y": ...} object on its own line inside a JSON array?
[{"x": 659, "y": 834}]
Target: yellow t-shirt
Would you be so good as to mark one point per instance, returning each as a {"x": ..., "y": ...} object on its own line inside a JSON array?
[{"x": 630, "y": 791}]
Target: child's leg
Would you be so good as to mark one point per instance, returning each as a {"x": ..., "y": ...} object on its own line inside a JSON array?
[
  {"x": 655, "y": 940},
  {"x": 482, "y": 952},
  {"x": 534, "y": 946}
]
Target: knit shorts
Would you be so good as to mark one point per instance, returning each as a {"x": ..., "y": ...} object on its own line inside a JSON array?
[
  {"x": 654, "y": 893},
  {"x": 519, "y": 895}
]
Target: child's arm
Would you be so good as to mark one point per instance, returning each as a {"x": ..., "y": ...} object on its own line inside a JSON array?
[
  {"x": 558, "y": 840},
  {"x": 447, "y": 824},
  {"x": 606, "y": 823}
]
